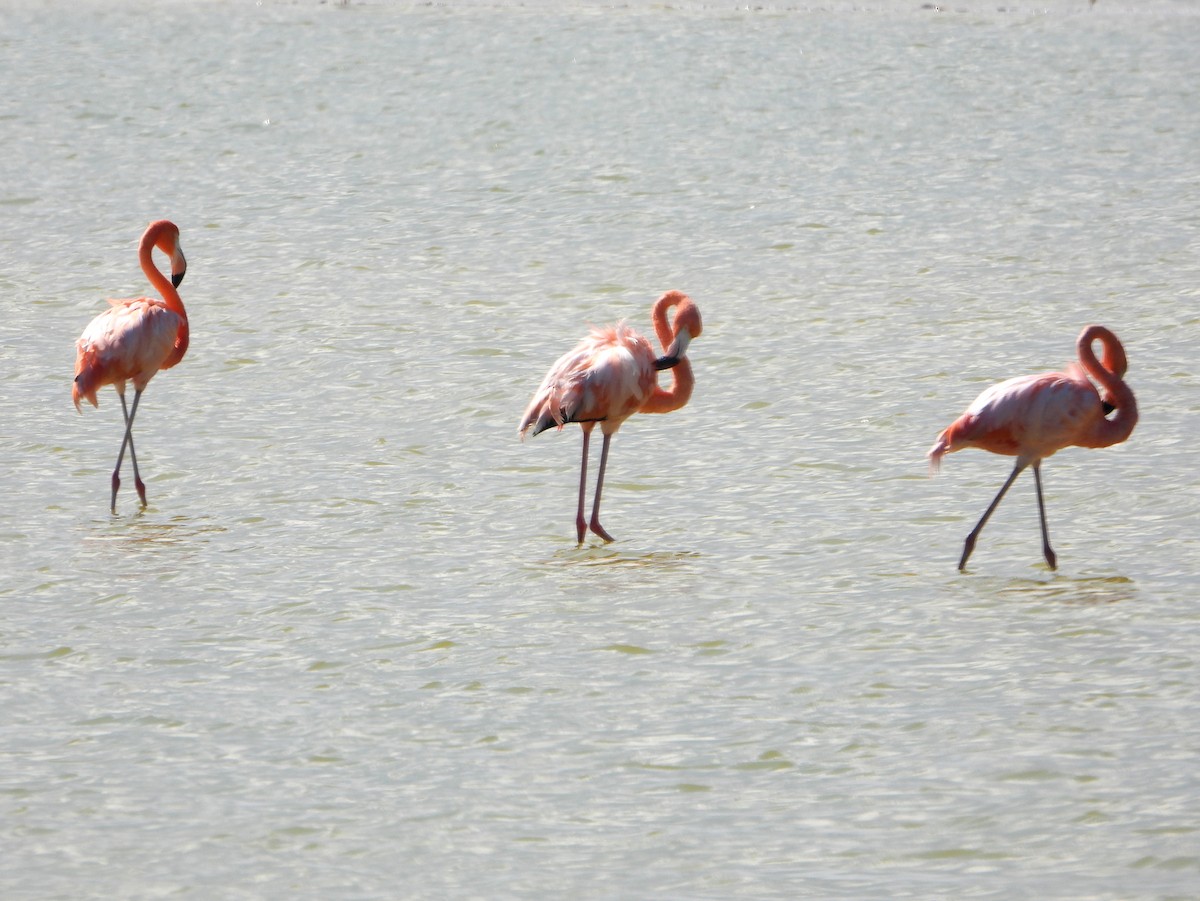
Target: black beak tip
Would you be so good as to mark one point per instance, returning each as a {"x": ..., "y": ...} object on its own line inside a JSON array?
[
  {"x": 666, "y": 363},
  {"x": 176, "y": 278}
]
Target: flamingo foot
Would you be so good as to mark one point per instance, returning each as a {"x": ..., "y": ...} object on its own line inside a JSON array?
[
  {"x": 1051, "y": 557},
  {"x": 141, "y": 490},
  {"x": 968, "y": 547},
  {"x": 595, "y": 526}
]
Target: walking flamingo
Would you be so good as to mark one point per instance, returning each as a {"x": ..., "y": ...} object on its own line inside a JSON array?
[
  {"x": 133, "y": 339},
  {"x": 609, "y": 376},
  {"x": 1031, "y": 417}
]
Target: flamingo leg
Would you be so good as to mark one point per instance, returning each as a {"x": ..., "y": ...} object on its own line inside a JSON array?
[
  {"x": 969, "y": 544},
  {"x": 595, "y": 523},
  {"x": 1047, "y": 551},
  {"x": 137, "y": 478},
  {"x": 128, "y": 440},
  {"x": 580, "y": 522}
]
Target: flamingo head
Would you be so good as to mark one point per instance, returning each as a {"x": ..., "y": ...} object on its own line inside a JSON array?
[
  {"x": 165, "y": 236},
  {"x": 178, "y": 262},
  {"x": 178, "y": 267},
  {"x": 685, "y": 326}
]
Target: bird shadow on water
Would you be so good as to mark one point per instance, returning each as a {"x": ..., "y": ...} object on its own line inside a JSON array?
[
  {"x": 609, "y": 556},
  {"x": 1080, "y": 591},
  {"x": 144, "y": 544},
  {"x": 130, "y": 531}
]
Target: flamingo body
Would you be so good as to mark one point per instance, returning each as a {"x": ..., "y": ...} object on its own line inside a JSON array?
[
  {"x": 1033, "y": 417},
  {"x": 605, "y": 379},
  {"x": 610, "y": 375},
  {"x": 133, "y": 339}
]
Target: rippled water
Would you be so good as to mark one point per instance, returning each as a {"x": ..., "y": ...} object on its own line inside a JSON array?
[{"x": 351, "y": 649}]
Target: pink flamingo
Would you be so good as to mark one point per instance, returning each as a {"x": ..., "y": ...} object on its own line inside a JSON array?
[
  {"x": 1031, "y": 417},
  {"x": 609, "y": 376},
  {"x": 134, "y": 339}
]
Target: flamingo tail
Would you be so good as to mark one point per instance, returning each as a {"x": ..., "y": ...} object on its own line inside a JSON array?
[
  {"x": 940, "y": 448},
  {"x": 87, "y": 379}
]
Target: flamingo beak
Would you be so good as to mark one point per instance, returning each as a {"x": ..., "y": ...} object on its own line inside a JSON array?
[
  {"x": 675, "y": 352},
  {"x": 178, "y": 266}
]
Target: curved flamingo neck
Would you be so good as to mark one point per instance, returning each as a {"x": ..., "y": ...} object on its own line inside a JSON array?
[
  {"x": 1109, "y": 375},
  {"x": 683, "y": 381},
  {"x": 662, "y": 326},
  {"x": 662, "y": 400},
  {"x": 159, "y": 235},
  {"x": 160, "y": 282},
  {"x": 1113, "y": 358}
]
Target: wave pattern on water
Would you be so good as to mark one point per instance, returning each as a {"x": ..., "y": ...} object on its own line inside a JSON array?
[{"x": 351, "y": 649}]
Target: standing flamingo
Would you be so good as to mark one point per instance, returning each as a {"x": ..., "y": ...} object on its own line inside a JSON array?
[
  {"x": 134, "y": 339},
  {"x": 609, "y": 376},
  {"x": 1031, "y": 417}
]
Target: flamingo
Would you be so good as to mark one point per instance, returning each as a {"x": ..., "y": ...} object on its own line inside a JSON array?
[
  {"x": 134, "y": 339},
  {"x": 1031, "y": 417},
  {"x": 609, "y": 376}
]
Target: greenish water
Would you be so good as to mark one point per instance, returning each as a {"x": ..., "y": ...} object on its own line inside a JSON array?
[{"x": 351, "y": 649}]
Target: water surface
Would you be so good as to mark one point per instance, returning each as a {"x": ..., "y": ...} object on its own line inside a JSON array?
[{"x": 350, "y": 649}]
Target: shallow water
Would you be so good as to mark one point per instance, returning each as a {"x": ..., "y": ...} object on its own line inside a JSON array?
[{"x": 351, "y": 650}]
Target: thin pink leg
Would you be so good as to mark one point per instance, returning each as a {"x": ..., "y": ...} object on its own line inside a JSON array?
[
  {"x": 1047, "y": 551},
  {"x": 595, "y": 523},
  {"x": 128, "y": 440},
  {"x": 969, "y": 544},
  {"x": 116, "y": 476},
  {"x": 580, "y": 522},
  {"x": 137, "y": 478}
]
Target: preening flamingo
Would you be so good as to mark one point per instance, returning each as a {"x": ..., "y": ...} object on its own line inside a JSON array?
[
  {"x": 609, "y": 376},
  {"x": 133, "y": 339},
  {"x": 1031, "y": 417}
]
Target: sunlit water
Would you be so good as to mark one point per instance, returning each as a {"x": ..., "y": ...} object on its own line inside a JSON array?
[{"x": 351, "y": 650}]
